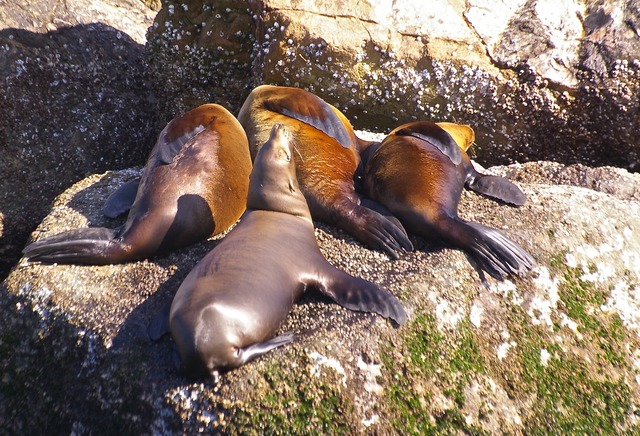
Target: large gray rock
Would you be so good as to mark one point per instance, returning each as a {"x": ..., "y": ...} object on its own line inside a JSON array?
[
  {"x": 538, "y": 79},
  {"x": 75, "y": 100},
  {"x": 556, "y": 351}
]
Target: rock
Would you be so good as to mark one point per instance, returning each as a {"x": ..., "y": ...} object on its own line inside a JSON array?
[
  {"x": 558, "y": 349},
  {"x": 538, "y": 80},
  {"x": 75, "y": 101}
]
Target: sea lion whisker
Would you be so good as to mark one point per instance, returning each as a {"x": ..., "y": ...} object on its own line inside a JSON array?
[{"x": 295, "y": 147}]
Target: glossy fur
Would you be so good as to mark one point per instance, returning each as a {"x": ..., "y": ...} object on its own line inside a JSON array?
[
  {"x": 413, "y": 174},
  {"x": 327, "y": 159},
  {"x": 194, "y": 185},
  {"x": 230, "y": 306}
]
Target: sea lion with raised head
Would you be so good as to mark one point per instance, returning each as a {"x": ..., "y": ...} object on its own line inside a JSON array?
[
  {"x": 193, "y": 186},
  {"x": 229, "y": 307},
  {"x": 327, "y": 157},
  {"x": 418, "y": 172}
]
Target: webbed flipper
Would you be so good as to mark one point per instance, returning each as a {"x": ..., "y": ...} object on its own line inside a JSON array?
[
  {"x": 495, "y": 187},
  {"x": 312, "y": 110},
  {"x": 94, "y": 245},
  {"x": 121, "y": 199},
  {"x": 357, "y": 294},
  {"x": 159, "y": 325},
  {"x": 256, "y": 350}
]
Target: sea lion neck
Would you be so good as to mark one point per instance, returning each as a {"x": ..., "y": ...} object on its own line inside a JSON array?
[{"x": 273, "y": 184}]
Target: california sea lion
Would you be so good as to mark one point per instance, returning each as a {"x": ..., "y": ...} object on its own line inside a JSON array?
[
  {"x": 194, "y": 185},
  {"x": 326, "y": 159},
  {"x": 418, "y": 172},
  {"x": 230, "y": 305}
]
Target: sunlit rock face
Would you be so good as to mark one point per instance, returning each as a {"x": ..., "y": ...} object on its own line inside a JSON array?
[
  {"x": 501, "y": 358},
  {"x": 538, "y": 80}
]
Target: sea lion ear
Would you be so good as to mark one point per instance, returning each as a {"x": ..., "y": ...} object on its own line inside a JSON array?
[
  {"x": 312, "y": 110},
  {"x": 434, "y": 135}
]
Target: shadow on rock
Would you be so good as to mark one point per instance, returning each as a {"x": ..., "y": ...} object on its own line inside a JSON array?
[{"x": 75, "y": 101}]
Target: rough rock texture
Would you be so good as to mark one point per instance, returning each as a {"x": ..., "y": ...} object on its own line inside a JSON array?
[
  {"x": 75, "y": 100},
  {"x": 555, "y": 352},
  {"x": 538, "y": 79}
]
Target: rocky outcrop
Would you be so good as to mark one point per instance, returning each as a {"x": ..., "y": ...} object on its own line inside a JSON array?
[
  {"x": 75, "y": 100},
  {"x": 556, "y": 350},
  {"x": 538, "y": 80}
]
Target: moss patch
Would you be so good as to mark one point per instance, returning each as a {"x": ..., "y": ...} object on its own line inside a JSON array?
[
  {"x": 576, "y": 377},
  {"x": 294, "y": 403},
  {"x": 426, "y": 393}
]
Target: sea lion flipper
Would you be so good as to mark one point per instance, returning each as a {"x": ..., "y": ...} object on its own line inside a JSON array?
[
  {"x": 496, "y": 187},
  {"x": 121, "y": 199},
  {"x": 256, "y": 350},
  {"x": 159, "y": 325},
  {"x": 495, "y": 253},
  {"x": 374, "y": 205},
  {"x": 378, "y": 231},
  {"x": 436, "y": 136},
  {"x": 357, "y": 294},
  {"x": 312, "y": 110},
  {"x": 174, "y": 137},
  {"x": 93, "y": 245}
]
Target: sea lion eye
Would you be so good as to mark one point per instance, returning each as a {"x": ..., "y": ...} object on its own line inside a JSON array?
[{"x": 283, "y": 155}]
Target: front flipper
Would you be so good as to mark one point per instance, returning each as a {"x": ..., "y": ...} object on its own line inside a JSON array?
[
  {"x": 159, "y": 325},
  {"x": 256, "y": 350},
  {"x": 312, "y": 110},
  {"x": 121, "y": 199},
  {"x": 495, "y": 187},
  {"x": 434, "y": 135},
  {"x": 177, "y": 133},
  {"x": 357, "y": 294}
]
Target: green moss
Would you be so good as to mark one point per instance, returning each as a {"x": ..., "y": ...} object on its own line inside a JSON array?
[
  {"x": 568, "y": 397},
  {"x": 433, "y": 358},
  {"x": 579, "y": 388},
  {"x": 582, "y": 302},
  {"x": 294, "y": 404}
]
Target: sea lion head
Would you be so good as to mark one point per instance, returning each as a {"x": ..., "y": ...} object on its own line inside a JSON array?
[{"x": 273, "y": 184}]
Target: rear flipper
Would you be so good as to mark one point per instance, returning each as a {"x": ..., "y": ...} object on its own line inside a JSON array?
[
  {"x": 121, "y": 199},
  {"x": 374, "y": 205},
  {"x": 357, "y": 294},
  {"x": 376, "y": 230},
  {"x": 495, "y": 187},
  {"x": 256, "y": 350},
  {"x": 95, "y": 246},
  {"x": 491, "y": 251}
]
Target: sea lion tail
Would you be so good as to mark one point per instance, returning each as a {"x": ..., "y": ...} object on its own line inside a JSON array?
[
  {"x": 493, "y": 252},
  {"x": 95, "y": 246}
]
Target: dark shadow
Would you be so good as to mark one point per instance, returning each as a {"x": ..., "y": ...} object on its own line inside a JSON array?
[{"x": 75, "y": 101}]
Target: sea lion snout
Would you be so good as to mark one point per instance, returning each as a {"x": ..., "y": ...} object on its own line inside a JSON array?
[{"x": 280, "y": 139}]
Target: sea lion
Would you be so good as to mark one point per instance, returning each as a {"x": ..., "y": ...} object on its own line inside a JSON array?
[
  {"x": 231, "y": 304},
  {"x": 194, "y": 185},
  {"x": 327, "y": 157},
  {"x": 418, "y": 173}
]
